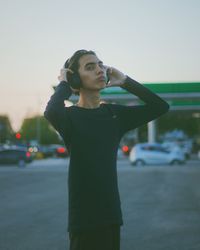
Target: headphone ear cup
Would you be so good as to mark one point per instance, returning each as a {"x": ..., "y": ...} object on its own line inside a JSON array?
[{"x": 75, "y": 81}]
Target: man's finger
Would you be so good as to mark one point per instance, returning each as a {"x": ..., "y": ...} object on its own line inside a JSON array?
[{"x": 69, "y": 70}]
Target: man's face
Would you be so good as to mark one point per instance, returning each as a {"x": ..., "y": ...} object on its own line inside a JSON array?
[{"x": 92, "y": 72}]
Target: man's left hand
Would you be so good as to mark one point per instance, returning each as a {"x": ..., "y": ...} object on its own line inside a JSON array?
[{"x": 117, "y": 78}]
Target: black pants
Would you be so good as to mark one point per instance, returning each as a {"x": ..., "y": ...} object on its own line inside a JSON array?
[{"x": 104, "y": 239}]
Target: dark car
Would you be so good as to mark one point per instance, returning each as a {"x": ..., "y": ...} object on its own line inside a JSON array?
[
  {"x": 62, "y": 152},
  {"x": 46, "y": 151},
  {"x": 15, "y": 156}
]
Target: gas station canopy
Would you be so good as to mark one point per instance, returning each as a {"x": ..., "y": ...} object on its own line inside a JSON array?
[{"x": 179, "y": 95}]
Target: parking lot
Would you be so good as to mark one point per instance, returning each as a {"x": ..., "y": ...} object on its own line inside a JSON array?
[{"x": 160, "y": 205}]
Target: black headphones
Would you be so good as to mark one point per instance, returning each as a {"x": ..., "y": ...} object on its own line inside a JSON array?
[{"x": 73, "y": 79}]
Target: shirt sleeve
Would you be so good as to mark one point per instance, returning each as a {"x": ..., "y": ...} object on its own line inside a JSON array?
[
  {"x": 56, "y": 112},
  {"x": 131, "y": 117}
]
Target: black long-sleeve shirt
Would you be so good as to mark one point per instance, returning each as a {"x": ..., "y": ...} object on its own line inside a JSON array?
[{"x": 92, "y": 137}]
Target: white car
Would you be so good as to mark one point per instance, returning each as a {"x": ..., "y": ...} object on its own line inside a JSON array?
[
  {"x": 155, "y": 153},
  {"x": 185, "y": 146}
]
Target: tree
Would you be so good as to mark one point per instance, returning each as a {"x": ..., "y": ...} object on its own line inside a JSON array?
[
  {"x": 38, "y": 128},
  {"x": 6, "y": 131},
  {"x": 179, "y": 120}
]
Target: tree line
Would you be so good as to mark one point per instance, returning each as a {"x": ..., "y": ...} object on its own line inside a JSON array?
[{"x": 38, "y": 128}]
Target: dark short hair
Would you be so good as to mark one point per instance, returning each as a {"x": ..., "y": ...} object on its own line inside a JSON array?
[{"x": 73, "y": 62}]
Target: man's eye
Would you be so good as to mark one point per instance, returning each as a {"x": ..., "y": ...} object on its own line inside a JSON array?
[{"x": 90, "y": 67}]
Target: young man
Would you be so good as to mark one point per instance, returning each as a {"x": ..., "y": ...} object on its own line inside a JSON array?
[{"x": 91, "y": 132}]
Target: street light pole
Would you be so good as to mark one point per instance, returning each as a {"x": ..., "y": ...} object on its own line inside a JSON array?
[{"x": 152, "y": 131}]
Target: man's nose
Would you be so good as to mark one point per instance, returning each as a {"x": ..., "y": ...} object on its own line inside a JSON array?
[{"x": 100, "y": 69}]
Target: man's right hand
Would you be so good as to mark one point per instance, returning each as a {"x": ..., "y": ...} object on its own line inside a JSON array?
[{"x": 63, "y": 75}]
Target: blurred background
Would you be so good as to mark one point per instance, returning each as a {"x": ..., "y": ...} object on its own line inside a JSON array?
[{"x": 155, "y": 42}]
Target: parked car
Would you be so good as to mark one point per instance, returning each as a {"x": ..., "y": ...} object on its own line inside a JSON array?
[
  {"x": 62, "y": 152},
  {"x": 46, "y": 151},
  {"x": 15, "y": 155},
  {"x": 185, "y": 146},
  {"x": 155, "y": 153}
]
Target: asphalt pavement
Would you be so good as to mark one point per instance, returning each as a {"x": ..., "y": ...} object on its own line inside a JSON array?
[{"x": 160, "y": 205}]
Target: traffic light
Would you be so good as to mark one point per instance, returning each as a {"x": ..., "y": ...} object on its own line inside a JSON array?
[{"x": 18, "y": 136}]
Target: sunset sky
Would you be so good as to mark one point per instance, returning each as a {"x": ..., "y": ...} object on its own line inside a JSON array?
[{"x": 149, "y": 40}]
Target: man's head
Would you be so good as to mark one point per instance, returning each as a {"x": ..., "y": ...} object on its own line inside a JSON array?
[{"x": 88, "y": 71}]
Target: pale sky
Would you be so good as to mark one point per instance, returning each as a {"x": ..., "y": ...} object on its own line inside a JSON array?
[{"x": 149, "y": 40}]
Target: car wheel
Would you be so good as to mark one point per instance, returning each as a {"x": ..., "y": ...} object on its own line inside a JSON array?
[
  {"x": 139, "y": 163},
  {"x": 21, "y": 163},
  {"x": 175, "y": 162}
]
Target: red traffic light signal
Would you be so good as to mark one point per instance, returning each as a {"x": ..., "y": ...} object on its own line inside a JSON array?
[
  {"x": 18, "y": 136},
  {"x": 125, "y": 149}
]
